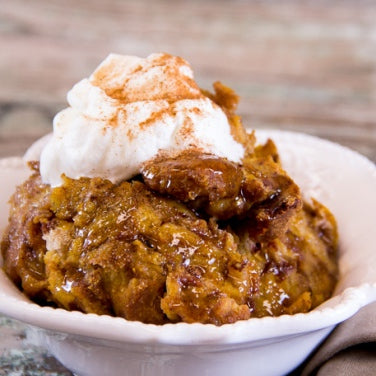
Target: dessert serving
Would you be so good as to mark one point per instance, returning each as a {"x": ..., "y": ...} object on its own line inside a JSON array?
[{"x": 151, "y": 202}]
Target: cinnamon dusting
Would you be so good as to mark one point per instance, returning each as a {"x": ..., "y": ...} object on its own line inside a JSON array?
[{"x": 159, "y": 77}]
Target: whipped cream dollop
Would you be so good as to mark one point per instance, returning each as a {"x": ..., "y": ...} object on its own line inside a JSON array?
[{"x": 129, "y": 110}]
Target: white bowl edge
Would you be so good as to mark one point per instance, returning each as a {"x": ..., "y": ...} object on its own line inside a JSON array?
[{"x": 346, "y": 302}]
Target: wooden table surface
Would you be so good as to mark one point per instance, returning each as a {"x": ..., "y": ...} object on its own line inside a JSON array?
[{"x": 304, "y": 66}]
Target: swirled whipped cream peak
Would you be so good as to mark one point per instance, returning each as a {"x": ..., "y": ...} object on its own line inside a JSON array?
[{"x": 128, "y": 111}]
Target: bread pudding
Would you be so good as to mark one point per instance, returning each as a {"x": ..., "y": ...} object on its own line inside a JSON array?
[{"x": 151, "y": 202}]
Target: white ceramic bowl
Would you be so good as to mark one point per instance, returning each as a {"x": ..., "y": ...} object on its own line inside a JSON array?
[{"x": 100, "y": 345}]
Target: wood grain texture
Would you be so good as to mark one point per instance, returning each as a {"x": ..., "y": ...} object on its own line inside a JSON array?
[{"x": 303, "y": 66}]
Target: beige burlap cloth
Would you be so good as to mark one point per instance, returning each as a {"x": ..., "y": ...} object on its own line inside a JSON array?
[{"x": 350, "y": 350}]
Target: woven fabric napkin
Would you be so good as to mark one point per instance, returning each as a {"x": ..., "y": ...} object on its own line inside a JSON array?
[{"x": 350, "y": 350}]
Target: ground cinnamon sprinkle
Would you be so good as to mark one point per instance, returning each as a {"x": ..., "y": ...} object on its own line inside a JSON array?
[{"x": 168, "y": 84}]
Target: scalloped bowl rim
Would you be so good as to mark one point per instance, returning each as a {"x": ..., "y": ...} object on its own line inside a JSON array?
[{"x": 335, "y": 310}]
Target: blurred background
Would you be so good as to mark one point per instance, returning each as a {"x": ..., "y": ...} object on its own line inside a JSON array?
[{"x": 307, "y": 66}]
